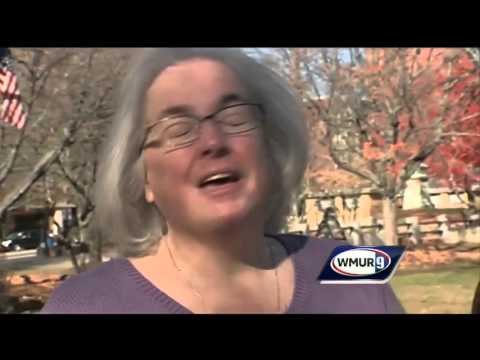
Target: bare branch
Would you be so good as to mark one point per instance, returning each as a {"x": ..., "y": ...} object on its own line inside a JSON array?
[
  {"x": 26, "y": 183},
  {"x": 10, "y": 162},
  {"x": 79, "y": 188},
  {"x": 347, "y": 167}
]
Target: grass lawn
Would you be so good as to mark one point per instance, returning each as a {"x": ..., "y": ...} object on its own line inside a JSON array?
[{"x": 445, "y": 290}]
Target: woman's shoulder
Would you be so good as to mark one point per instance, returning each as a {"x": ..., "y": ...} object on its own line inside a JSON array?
[
  {"x": 310, "y": 254},
  {"x": 81, "y": 293}
]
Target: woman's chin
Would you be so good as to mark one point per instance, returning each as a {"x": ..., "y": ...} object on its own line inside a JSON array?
[{"x": 223, "y": 217}]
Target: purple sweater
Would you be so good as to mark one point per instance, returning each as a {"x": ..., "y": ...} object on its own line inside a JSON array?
[{"x": 116, "y": 287}]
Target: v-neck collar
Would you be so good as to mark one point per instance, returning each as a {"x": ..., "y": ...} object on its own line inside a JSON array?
[{"x": 300, "y": 293}]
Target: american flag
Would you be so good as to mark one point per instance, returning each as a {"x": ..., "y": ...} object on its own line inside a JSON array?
[{"x": 11, "y": 109}]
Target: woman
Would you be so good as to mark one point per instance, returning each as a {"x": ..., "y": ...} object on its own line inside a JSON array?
[{"x": 204, "y": 157}]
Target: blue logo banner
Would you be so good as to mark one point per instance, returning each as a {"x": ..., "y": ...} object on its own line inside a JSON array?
[{"x": 350, "y": 264}]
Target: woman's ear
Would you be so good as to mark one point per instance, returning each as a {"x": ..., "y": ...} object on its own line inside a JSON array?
[{"x": 149, "y": 196}]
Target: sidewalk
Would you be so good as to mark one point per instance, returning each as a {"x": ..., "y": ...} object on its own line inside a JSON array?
[{"x": 44, "y": 265}]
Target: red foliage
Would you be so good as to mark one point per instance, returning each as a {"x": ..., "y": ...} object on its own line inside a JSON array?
[
  {"x": 445, "y": 111},
  {"x": 459, "y": 154},
  {"x": 371, "y": 152}
]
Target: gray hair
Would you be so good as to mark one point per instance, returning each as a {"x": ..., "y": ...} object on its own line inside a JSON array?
[{"x": 122, "y": 213}]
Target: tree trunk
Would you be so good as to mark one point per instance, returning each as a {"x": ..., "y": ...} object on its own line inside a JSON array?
[
  {"x": 90, "y": 237},
  {"x": 389, "y": 222},
  {"x": 74, "y": 261},
  {"x": 82, "y": 234},
  {"x": 94, "y": 241},
  {"x": 99, "y": 248}
]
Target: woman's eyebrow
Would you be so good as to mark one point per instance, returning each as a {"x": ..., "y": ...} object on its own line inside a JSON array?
[
  {"x": 174, "y": 110},
  {"x": 230, "y": 98},
  {"x": 168, "y": 112},
  {"x": 186, "y": 109}
]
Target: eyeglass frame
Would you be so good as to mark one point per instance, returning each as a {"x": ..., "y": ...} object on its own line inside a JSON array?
[{"x": 199, "y": 121}]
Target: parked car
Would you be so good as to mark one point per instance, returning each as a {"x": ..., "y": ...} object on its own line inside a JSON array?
[{"x": 23, "y": 240}]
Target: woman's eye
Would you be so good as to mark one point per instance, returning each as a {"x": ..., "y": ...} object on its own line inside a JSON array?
[
  {"x": 178, "y": 129},
  {"x": 235, "y": 120}
]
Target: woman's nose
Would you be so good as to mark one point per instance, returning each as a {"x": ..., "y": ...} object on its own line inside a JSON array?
[{"x": 212, "y": 139}]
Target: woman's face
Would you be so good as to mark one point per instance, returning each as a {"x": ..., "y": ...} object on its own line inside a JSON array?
[{"x": 219, "y": 179}]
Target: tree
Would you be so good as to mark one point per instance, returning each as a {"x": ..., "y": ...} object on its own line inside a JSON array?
[
  {"x": 72, "y": 90},
  {"x": 322, "y": 173},
  {"x": 385, "y": 111},
  {"x": 457, "y": 160},
  {"x": 101, "y": 72},
  {"x": 26, "y": 154}
]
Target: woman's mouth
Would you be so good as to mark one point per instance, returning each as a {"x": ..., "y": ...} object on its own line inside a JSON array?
[
  {"x": 219, "y": 180},
  {"x": 221, "y": 183}
]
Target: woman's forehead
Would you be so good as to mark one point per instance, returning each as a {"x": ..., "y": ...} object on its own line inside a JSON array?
[{"x": 192, "y": 81}]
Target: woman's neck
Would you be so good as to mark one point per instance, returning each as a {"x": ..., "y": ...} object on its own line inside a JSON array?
[
  {"x": 212, "y": 272},
  {"x": 219, "y": 254}
]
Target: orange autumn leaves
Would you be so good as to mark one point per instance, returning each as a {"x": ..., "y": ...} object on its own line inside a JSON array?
[
  {"x": 420, "y": 105},
  {"x": 395, "y": 156}
]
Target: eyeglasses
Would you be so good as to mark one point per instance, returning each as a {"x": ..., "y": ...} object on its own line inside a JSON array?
[{"x": 177, "y": 131}]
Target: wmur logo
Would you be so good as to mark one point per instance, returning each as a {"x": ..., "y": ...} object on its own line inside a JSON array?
[{"x": 361, "y": 264}]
